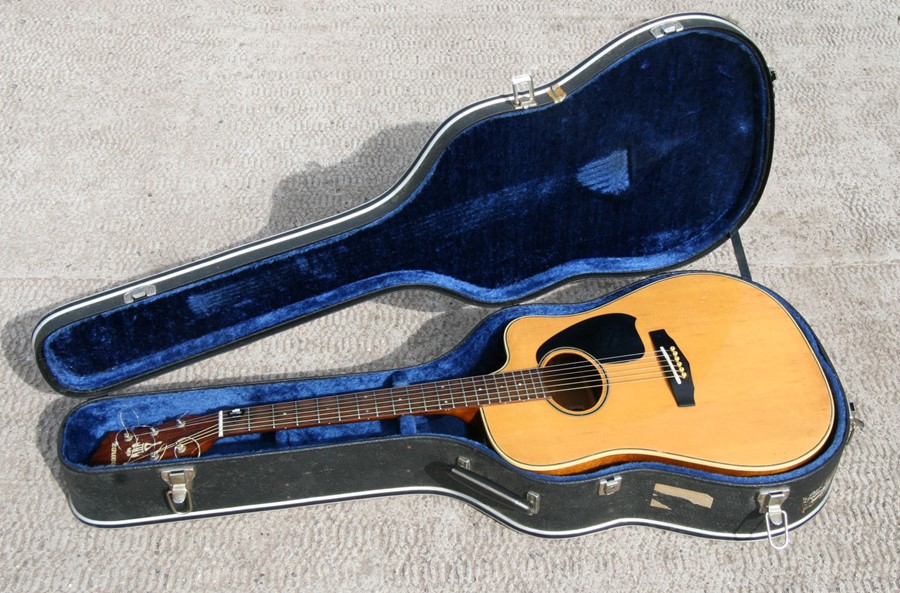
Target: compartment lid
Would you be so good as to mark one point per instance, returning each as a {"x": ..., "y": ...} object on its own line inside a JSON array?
[{"x": 645, "y": 156}]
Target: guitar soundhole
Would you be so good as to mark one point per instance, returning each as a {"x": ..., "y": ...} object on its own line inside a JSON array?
[{"x": 577, "y": 382}]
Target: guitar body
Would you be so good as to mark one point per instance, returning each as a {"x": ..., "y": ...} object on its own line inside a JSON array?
[{"x": 762, "y": 403}]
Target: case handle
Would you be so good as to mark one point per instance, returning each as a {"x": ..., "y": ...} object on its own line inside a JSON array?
[{"x": 529, "y": 505}]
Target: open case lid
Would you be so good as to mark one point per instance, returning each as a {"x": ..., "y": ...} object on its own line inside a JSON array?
[{"x": 645, "y": 156}]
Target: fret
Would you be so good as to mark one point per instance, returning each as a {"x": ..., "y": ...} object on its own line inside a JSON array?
[
  {"x": 364, "y": 402},
  {"x": 534, "y": 388},
  {"x": 447, "y": 399},
  {"x": 450, "y": 398},
  {"x": 304, "y": 413},
  {"x": 337, "y": 406},
  {"x": 506, "y": 393},
  {"x": 543, "y": 390},
  {"x": 415, "y": 398},
  {"x": 496, "y": 388},
  {"x": 477, "y": 389},
  {"x": 409, "y": 400},
  {"x": 516, "y": 384},
  {"x": 434, "y": 398},
  {"x": 529, "y": 389},
  {"x": 431, "y": 396},
  {"x": 514, "y": 391},
  {"x": 538, "y": 389},
  {"x": 424, "y": 405},
  {"x": 299, "y": 413},
  {"x": 508, "y": 396},
  {"x": 273, "y": 417},
  {"x": 312, "y": 408},
  {"x": 464, "y": 396},
  {"x": 458, "y": 385},
  {"x": 521, "y": 388},
  {"x": 510, "y": 386},
  {"x": 441, "y": 388},
  {"x": 249, "y": 425},
  {"x": 483, "y": 390},
  {"x": 399, "y": 400}
]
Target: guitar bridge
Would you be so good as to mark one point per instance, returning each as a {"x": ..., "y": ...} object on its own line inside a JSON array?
[{"x": 676, "y": 367}]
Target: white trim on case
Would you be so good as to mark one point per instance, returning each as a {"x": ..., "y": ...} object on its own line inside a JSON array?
[{"x": 486, "y": 509}]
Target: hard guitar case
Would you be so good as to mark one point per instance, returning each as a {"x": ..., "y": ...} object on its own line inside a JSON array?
[{"x": 510, "y": 197}]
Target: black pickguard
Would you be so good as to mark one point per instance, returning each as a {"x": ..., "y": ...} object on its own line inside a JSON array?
[{"x": 604, "y": 336}]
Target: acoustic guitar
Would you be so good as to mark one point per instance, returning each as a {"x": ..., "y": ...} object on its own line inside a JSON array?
[{"x": 701, "y": 369}]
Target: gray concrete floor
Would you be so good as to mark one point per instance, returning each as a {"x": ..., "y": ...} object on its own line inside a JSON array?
[{"x": 135, "y": 137}]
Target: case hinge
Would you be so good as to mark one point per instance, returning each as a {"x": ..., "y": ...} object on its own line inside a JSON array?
[
  {"x": 523, "y": 91},
  {"x": 141, "y": 292},
  {"x": 666, "y": 29},
  {"x": 770, "y": 502},
  {"x": 178, "y": 496}
]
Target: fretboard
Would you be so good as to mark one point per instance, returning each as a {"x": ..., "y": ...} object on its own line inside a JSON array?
[{"x": 383, "y": 404}]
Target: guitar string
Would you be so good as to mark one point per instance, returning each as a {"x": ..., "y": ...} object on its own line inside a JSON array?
[
  {"x": 331, "y": 416},
  {"x": 259, "y": 426},
  {"x": 612, "y": 374},
  {"x": 391, "y": 393}
]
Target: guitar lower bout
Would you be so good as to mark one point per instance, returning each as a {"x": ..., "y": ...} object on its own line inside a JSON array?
[{"x": 753, "y": 399}]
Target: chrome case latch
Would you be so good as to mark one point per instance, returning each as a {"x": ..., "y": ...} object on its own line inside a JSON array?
[
  {"x": 609, "y": 486},
  {"x": 178, "y": 496},
  {"x": 770, "y": 502},
  {"x": 523, "y": 91}
]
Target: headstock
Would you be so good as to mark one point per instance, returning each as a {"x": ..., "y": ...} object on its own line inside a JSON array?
[{"x": 186, "y": 437}]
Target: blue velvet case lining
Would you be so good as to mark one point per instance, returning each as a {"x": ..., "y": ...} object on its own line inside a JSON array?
[
  {"x": 481, "y": 352},
  {"x": 650, "y": 163}
]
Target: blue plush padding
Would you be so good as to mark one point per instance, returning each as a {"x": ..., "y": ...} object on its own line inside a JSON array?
[
  {"x": 652, "y": 162},
  {"x": 481, "y": 352}
]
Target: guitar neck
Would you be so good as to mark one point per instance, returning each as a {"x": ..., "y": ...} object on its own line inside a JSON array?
[{"x": 384, "y": 404}]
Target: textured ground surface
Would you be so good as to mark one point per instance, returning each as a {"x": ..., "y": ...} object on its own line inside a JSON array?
[{"x": 137, "y": 137}]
